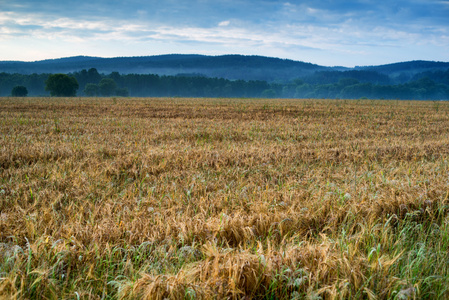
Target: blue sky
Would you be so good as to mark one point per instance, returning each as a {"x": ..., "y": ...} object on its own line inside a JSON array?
[{"x": 325, "y": 32}]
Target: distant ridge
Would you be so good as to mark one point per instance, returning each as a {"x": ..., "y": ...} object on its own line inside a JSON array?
[
  {"x": 232, "y": 67},
  {"x": 415, "y": 66}
]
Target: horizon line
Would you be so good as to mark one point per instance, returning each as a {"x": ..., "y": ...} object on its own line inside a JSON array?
[{"x": 218, "y": 55}]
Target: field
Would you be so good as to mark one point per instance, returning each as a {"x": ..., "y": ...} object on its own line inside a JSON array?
[{"x": 223, "y": 198}]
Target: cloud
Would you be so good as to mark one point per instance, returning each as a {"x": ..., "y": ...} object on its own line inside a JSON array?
[
  {"x": 324, "y": 29},
  {"x": 224, "y": 23}
]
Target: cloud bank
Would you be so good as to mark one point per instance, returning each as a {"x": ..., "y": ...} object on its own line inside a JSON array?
[{"x": 326, "y": 32}]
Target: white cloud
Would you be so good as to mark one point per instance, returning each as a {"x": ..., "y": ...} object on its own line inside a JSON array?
[
  {"x": 224, "y": 23},
  {"x": 291, "y": 31}
]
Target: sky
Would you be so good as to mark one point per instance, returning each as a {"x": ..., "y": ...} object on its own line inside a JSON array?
[{"x": 325, "y": 32}]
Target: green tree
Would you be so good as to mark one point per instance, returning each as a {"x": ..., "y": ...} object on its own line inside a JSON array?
[
  {"x": 107, "y": 87},
  {"x": 122, "y": 92},
  {"x": 19, "y": 91},
  {"x": 268, "y": 93},
  {"x": 93, "y": 76},
  {"x": 61, "y": 85},
  {"x": 303, "y": 90},
  {"x": 91, "y": 89}
]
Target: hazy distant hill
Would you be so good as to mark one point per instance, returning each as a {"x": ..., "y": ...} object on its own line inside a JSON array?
[
  {"x": 404, "y": 71},
  {"x": 226, "y": 66},
  {"x": 415, "y": 66}
]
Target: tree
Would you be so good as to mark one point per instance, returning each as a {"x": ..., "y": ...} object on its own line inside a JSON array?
[
  {"x": 61, "y": 85},
  {"x": 303, "y": 90},
  {"x": 122, "y": 92},
  {"x": 107, "y": 86},
  {"x": 19, "y": 91},
  {"x": 93, "y": 76},
  {"x": 91, "y": 89},
  {"x": 268, "y": 93}
]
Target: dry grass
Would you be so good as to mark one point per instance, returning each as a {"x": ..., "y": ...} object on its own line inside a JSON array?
[{"x": 223, "y": 198}]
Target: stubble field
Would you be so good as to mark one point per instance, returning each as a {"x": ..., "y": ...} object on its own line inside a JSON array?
[{"x": 223, "y": 198}]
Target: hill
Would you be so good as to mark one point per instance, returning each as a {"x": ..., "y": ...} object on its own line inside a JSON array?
[
  {"x": 234, "y": 76},
  {"x": 404, "y": 71},
  {"x": 226, "y": 66},
  {"x": 231, "y": 67}
]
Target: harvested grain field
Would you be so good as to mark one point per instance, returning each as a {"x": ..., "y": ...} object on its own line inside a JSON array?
[{"x": 159, "y": 198}]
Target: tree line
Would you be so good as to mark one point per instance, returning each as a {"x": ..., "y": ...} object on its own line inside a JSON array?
[{"x": 348, "y": 85}]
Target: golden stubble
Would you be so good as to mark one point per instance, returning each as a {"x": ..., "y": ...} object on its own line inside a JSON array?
[{"x": 230, "y": 197}]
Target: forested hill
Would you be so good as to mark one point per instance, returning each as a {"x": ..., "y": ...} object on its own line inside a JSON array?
[
  {"x": 226, "y": 66},
  {"x": 232, "y": 76},
  {"x": 407, "y": 69},
  {"x": 233, "y": 67}
]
